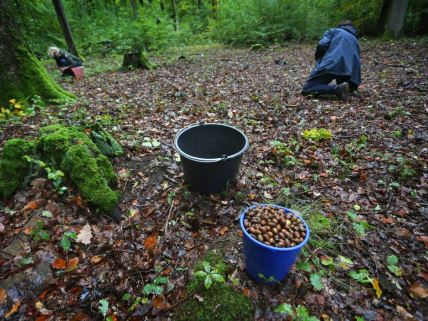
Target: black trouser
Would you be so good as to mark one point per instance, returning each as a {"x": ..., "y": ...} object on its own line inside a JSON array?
[{"x": 320, "y": 84}]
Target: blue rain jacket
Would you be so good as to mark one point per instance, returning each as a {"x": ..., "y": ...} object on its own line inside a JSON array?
[{"x": 339, "y": 54}]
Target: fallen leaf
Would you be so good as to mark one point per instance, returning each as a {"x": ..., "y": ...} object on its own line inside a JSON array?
[
  {"x": 3, "y": 295},
  {"x": 72, "y": 264},
  {"x": 1, "y": 227},
  {"x": 96, "y": 258},
  {"x": 33, "y": 205},
  {"x": 419, "y": 290},
  {"x": 159, "y": 303},
  {"x": 43, "y": 294},
  {"x": 246, "y": 292},
  {"x": 80, "y": 316},
  {"x": 59, "y": 264},
  {"x": 423, "y": 238},
  {"x": 198, "y": 297},
  {"x": 223, "y": 230},
  {"x": 423, "y": 275},
  {"x": 14, "y": 308},
  {"x": 376, "y": 286},
  {"x": 85, "y": 235},
  {"x": 43, "y": 318},
  {"x": 150, "y": 243}
]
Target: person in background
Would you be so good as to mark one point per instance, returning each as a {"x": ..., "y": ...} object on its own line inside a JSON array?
[
  {"x": 337, "y": 58},
  {"x": 64, "y": 60}
]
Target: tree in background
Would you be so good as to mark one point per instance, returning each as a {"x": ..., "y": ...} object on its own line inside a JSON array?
[
  {"x": 392, "y": 17},
  {"x": 59, "y": 9},
  {"x": 21, "y": 74}
]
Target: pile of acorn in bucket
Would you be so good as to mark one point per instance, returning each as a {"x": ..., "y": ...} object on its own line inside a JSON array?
[{"x": 272, "y": 235}]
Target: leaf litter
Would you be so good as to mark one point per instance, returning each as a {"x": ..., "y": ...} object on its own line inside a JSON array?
[{"x": 373, "y": 166}]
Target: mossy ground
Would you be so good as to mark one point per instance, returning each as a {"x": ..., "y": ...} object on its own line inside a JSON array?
[
  {"x": 70, "y": 150},
  {"x": 13, "y": 167},
  {"x": 219, "y": 302}
]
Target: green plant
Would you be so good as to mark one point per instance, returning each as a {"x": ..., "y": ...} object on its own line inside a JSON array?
[
  {"x": 392, "y": 261},
  {"x": 151, "y": 143},
  {"x": 361, "y": 276},
  {"x": 66, "y": 239},
  {"x": 359, "y": 225},
  {"x": 284, "y": 153},
  {"x": 39, "y": 233},
  {"x": 299, "y": 314},
  {"x": 55, "y": 176},
  {"x": 157, "y": 287},
  {"x": 14, "y": 110},
  {"x": 317, "y": 135},
  {"x": 209, "y": 275},
  {"x": 103, "y": 307}
]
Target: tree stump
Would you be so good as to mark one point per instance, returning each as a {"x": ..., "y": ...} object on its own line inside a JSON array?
[{"x": 137, "y": 59}]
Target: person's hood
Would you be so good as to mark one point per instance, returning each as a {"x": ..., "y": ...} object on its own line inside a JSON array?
[{"x": 350, "y": 29}]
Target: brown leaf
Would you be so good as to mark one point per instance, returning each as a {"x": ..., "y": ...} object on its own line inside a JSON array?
[
  {"x": 14, "y": 308},
  {"x": 33, "y": 205},
  {"x": 80, "y": 316},
  {"x": 43, "y": 318},
  {"x": 246, "y": 292},
  {"x": 59, "y": 264},
  {"x": 419, "y": 290},
  {"x": 150, "y": 243},
  {"x": 423, "y": 275},
  {"x": 423, "y": 238},
  {"x": 96, "y": 258},
  {"x": 3, "y": 295},
  {"x": 72, "y": 264},
  {"x": 159, "y": 303}
]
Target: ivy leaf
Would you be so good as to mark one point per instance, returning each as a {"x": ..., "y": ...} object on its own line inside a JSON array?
[
  {"x": 152, "y": 289},
  {"x": 208, "y": 281},
  {"x": 316, "y": 281},
  {"x": 103, "y": 306},
  {"x": 284, "y": 308},
  {"x": 304, "y": 266},
  {"x": 160, "y": 280},
  {"x": 392, "y": 260}
]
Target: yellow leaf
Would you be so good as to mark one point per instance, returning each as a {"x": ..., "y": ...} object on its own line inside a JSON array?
[
  {"x": 12, "y": 101},
  {"x": 375, "y": 284},
  {"x": 14, "y": 308}
]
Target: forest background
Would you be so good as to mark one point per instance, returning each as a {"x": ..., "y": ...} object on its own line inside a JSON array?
[{"x": 105, "y": 27}]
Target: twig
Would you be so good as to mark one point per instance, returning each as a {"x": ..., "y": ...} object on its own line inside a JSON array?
[
  {"x": 169, "y": 215},
  {"x": 171, "y": 179}
]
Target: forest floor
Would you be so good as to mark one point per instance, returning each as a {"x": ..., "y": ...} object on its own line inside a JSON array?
[{"x": 363, "y": 192}]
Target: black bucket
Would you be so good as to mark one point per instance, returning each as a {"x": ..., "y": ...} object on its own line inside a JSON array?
[{"x": 211, "y": 155}]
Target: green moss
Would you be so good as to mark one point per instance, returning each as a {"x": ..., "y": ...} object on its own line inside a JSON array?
[
  {"x": 105, "y": 142},
  {"x": 56, "y": 140},
  {"x": 93, "y": 182},
  {"x": 31, "y": 78},
  {"x": 13, "y": 167},
  {"x": 220, "y": 301}
]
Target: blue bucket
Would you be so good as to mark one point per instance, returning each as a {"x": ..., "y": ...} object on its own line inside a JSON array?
[{"x": 265, "y": 263}]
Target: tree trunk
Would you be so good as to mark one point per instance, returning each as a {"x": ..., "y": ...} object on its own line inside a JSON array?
[
  {"x": 395, "y": 18},
  {"x": 174, "y": 11},
  {"x": 21, "y": 74},
  {"x": 382, "y": 16},
  {"x": 137, "y": 59},
  {"x": 134, "y": 6},
  {"x": 59, "y": 8},
  {"x": 214, "y": 4}
]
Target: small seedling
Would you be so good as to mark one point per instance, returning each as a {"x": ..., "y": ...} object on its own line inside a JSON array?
[
  {"x": 360, "y": 226},
  {"x": 66, "y": 240},
  {"x": 392, "y": 261},
  {"x": 209, "y": 275},
  {"x": 316, "y": 281},
  {"x": 155, "y": 288},
  {"x": 103, "y": 307},
  {"x": 39, "y": 233},
  {"x": 151, "y": 143},
  {"x": 317, "y": 135},
  {"x": 301, "y": 313}
]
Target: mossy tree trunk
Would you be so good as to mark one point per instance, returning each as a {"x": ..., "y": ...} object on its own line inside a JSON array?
[
  {"x": 21, "y": 74},
  {"x": 137, "y": 59}
]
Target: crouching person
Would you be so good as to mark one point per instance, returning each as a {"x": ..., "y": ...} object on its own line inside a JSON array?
[
  {"x": 66, "y": 62},
  {"x": 337, "y": 58}
]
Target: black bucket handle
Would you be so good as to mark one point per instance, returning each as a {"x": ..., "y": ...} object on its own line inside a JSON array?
[{"x": 223, "y": 158}]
